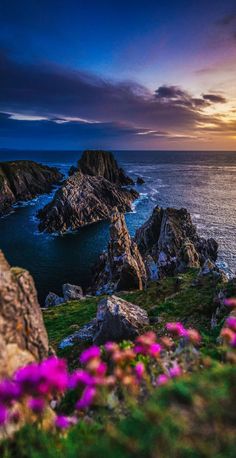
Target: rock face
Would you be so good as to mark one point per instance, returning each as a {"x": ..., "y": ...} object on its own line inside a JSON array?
[
  {"x": 23, "y": 337},
  {"x": 172, "y": 242},
  {"x": 53, "y": 300},
  {"x": 83, "y": 200},
  {"x": 23, "y": 180},
  {"x": 72, "y": 292},
  {"x": 103, "y": 163},
  {"x": 116, "y": 320},
  {"x": 140, "y": 180},
  {"x": 122, "y": 267}
]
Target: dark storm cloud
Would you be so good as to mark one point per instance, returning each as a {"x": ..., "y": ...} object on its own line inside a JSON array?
[
  {"x": 214, "y": 98},
  {"x": 61, "y": 93}
]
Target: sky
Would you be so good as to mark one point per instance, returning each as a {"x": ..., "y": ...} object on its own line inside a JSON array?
[{"x": 118, "y": 75}]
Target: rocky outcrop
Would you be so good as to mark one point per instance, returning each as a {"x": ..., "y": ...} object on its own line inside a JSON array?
[
  {"x": 82, "y": 200},
  {"x": 171, "y": 240},
  {"x": 103, "y": 163},
  {"x": 140, "y": 181},
  {"x": 70, "y": 293},
  {"x": 122, "y": 267},
  {"x": 116, "y": 320},
  {"x": 23, "y": 180},
  {"x": 23, "y": 337}
]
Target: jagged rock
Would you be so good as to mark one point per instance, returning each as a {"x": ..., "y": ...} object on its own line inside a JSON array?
[
  {"x": 116, "y": 320},
  {"x": 72, "y": 170},
  {"x": 23, "y": 180},
  {"x": 209, "y": 268},
  {"x": 122, "y": 267},
  {"x": 103, "y": 163},
  {"x": 23, "y": 337},
  {"x": 53, "y": 299},
  {"x": 171, "y": 239},
  {"x": 72, "y": 292},
  {"x": 83, "y": 200},
  {"x": 140, "y": 180}
]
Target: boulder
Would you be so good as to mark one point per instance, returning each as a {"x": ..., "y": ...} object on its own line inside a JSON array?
[
  {"x": 121, "y": 267},
  {"x": 209, "y": 268},
  {"x": 172, "y": 241},
  {"x": 103, "y": 163},
  {"x": 53, "y": 300},
  {"x": 116, "y": 320},
  {"x": 82, "y": 200},
  {"x": 23, "y": 337},
  {"x": 24, "y": 180},
  {"x": 140, "y": 181},
  {"x": 72, "y": 292}
]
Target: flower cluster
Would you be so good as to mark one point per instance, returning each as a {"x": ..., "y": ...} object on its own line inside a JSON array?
[
  {"x": 134, "y": 368},
  {"x": 228, "y": 332}
]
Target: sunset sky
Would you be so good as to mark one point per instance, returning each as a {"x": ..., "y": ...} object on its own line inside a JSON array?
[{"x": 118, "y": 74}]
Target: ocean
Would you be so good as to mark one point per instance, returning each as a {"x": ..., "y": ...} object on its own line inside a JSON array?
[{"x": 202, "y": 182}]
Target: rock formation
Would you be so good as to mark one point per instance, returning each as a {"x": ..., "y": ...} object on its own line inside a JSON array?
[
  {"x": 23, "y": 180},
  {"x": 140, "y": 180},
  {"x": 23, "y": 337},
  {"x": 172, "y": 242},
  {"x": 82, "y": 200},
  {"x": 103, "y": 163},
  {"x": 53, "y": 300},
  {"x": 70, "y": 293},
  {"x": 116, "y": 320},
  {"x": 122, "y": 267}
]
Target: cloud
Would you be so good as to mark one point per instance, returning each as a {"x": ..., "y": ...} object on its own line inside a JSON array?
[
  {"x": 56, "y": 102},
  {"x": 214, "y": 98}
]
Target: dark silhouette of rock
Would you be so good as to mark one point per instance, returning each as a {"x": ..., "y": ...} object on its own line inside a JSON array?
[
  {"x": 140, "y": 181},
  {"x": 83, "y": 200},
  {"x": 72, "y": 292},
  {"x": 116, "y": 320},
  {"x": 103, "y": 163},
  {"x": 53, "y": 300},
  {"x": 23, "y": 337},
  {"x": 172, "y": 241},
  {"x": 23, "y": 180},
  {"x": 122, "y": 267},
  {"x": 72, "y": 170}
]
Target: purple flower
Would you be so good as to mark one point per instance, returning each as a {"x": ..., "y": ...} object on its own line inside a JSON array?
[
  {"x": 139, "y": 370},
  {"x": 80, "y": 376},
  {"x": 231, "y": 322},
  {"x": 175, "y": 371},
  {"x": 86, "y": 398},
  {"x": 176, "y": 329},
  {"x": 154, "y": 350},
  {"x": 37, "y": 405},
  {"x": 28, "y": 378},
  {"x": 230, "y": 302},
  {"x": 90, "y": 353},
  {"x": 54, "y": 375},
  {"x": 162, "y": 379},
  {"x": 62, "y": 422},
  {"x": 9, "y": 391},
  {"x": 3, "y": 414}
]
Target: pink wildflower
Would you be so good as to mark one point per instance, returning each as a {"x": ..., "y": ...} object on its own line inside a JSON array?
[
  {"x": 80, "y": 377},
  {"x": 230, "y": 302},
  {"x": 86, "y": 398},
  {"x": 139, "y": 370},
  {"x": 9, "y": 391},
  {"x": 162, "y": 379},
  {"x": 175, "y": 371},
  {"x": 91, "y": 353},
  {"x": 177, "y": 329},
  {"x": 37, "y": 405},
  {"x": 154, "y": 350},
  {"x": 231, "y": 322},
  {"x": 62, "y": 422},
  {"x": 194, "y": 336},
  {"x": 3, "y": 414}
]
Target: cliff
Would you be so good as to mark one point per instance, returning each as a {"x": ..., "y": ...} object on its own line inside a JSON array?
[
  {"x": 23, "y": 180},
  {"x": 103, "y": 163},
  {"x": 82, "y": 200}
]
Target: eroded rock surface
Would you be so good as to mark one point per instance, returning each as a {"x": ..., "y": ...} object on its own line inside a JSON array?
[
  {"x": 172, "y": 241},
  {"x": 116, "y": 320},
  {"x": 121, "y": 267},
  {"x": 23, "y": 180},
  {"x": 103, "y": 163},
  {"x": 23, "y": 337},
  {"x": 82, "y": 200}
]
